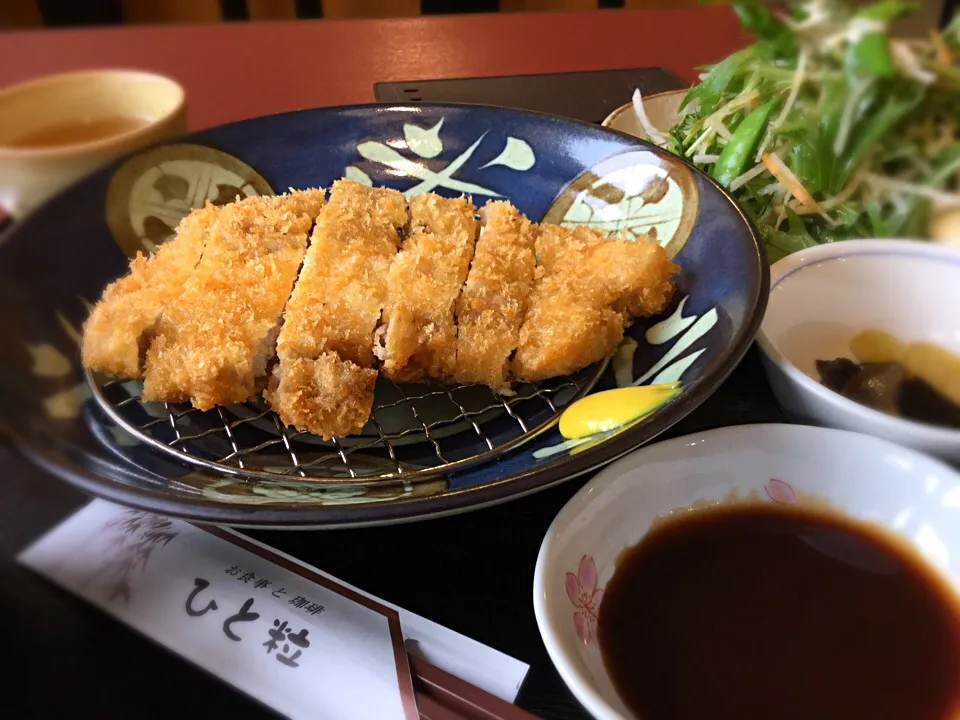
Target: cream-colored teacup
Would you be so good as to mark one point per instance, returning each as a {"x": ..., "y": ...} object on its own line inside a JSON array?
[{"x": 56, "y": 129}]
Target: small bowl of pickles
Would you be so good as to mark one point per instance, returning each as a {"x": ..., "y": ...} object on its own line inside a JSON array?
[{"x": 864, "y": 335}]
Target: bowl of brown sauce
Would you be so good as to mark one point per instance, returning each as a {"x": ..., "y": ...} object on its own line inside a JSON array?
[
  {"x": 864, "y": 335},
  {"x": 759, "y": 571}
]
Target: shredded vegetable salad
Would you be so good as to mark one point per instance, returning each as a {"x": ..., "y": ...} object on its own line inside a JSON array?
[{"x": 827, "y": 128}]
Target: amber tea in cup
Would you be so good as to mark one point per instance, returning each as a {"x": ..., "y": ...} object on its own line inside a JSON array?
[
  {"x": 54, "y": 130},
  {"x": 78, "y": 132}
]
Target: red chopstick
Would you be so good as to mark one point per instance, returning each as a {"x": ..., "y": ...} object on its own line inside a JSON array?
[{"x": 442, "y": 696}]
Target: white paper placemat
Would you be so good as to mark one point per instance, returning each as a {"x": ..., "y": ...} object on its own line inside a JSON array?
[{"x": 296, "y": 639}]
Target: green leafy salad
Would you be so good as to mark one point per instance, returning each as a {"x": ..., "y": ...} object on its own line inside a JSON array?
[{"x": 828, "y": 128}]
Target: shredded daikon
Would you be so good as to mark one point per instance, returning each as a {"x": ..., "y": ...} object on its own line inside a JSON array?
[
  {"x": 740, "y": 181},
  {"x": 721, "y": 129},
  {"x": 908, "y": 62},
  {"x": 899, "y": 202},
  {"x": 703, "y": 159},
  {"x": 656, "y": 137},
  {"x": 846, "y": 119},
  {"x": 841, "y": 197},
  {"x": 815, "y": 16},
  {"x": 707, "y": 134},
  {"x": 946, "y": 198},
  {"x": 781, "y": 216},
  {"x": 732, "y": 106},
  {"x": 691, "y": 107},
  {"x": 795, "y": 86},
  {"x": 860, "y": 26},
  {"x": 863, "y": 133}
]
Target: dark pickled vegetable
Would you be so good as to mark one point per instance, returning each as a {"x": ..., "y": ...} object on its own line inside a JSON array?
[
  {"x": 837, "y": 373},
  {"x": 877, "y": 385},
  {"x": 920, "y": 401},
  {"x": 887, "y": 387}
]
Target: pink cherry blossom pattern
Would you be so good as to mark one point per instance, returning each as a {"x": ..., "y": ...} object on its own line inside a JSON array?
[
  {"x": 780, "y": 492},
  {"x": 586, "y": 597}
]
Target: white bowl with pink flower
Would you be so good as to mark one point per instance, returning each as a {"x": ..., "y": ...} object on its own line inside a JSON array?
[{"x": 862, "y": 476}]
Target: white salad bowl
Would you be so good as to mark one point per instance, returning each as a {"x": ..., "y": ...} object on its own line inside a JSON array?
[
  {"x": 662, "y": 110},
  {"x": 823, "y": 296},
  {"x": 910, "y": 494}
]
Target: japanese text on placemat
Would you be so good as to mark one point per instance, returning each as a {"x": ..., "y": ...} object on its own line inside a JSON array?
[
  {"x": 298, "y": 601},
  {"x": 281, "y": 639}
]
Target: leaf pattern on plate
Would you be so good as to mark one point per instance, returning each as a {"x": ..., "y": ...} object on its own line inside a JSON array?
[
  {"x": 516, "y": 155},
  {"x": 424, "y": 142},
  {"x": 357, "y": 175}
]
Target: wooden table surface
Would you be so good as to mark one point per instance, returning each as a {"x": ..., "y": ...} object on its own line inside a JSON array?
[{"x": 238, "y": 70}]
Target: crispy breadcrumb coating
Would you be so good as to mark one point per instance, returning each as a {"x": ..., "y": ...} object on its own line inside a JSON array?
[
  {"x": 327, "y": 396},
  {"x": 214, "y": 341},
  {"x": 203, "y": 318},
  {"x": 333, "y": 312},
  {"x": 423, "y": 286},
  {"x": 494, "y": 298},
  {"x": 587, "y": 290},
  {"x": 342, "y": 288},
  {"x": 121, "y": 325}
]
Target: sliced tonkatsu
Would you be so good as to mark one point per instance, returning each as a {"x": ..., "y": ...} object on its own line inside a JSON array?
[
  {"x": 214, "y": 341},
  {"x": 122, "y": 323},
  {"x": 419, "y": 332},
  {"x": 493, "y": 300},
  {"x": 587, "y": 290},
  {"x": 306, "y": 299},
  {"x": 334, "y": 311}
]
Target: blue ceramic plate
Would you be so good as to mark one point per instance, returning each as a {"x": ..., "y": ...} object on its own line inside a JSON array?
[{"x": 58, "y": 260}]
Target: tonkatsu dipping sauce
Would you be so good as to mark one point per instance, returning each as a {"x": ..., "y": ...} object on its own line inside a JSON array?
[{"x": 770, "y": 611}]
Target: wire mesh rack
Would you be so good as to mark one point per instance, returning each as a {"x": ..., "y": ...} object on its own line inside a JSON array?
[{"x": 414, "y": 432}]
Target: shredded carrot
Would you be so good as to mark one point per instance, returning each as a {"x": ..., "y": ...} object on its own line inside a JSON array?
[
  {"x": 792, "y": 183},
  {"x": 837, "y": 200},
  {"x": 943, "y": 51}
]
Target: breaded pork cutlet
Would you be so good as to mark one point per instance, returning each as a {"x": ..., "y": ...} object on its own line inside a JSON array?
[
  {"x": 493, "y": 301},
  {"x": 325, "y": 395},
  {"x": 420, "y": 337},
  {"x": 587, "y": 290},
  {"x": 202, "y": 319},
  {"x": 121, "y": 325},
  {"x": 342, "y": 288},
  {"x": 214, "y": 341},
  {"x": 325, "y": 378}
]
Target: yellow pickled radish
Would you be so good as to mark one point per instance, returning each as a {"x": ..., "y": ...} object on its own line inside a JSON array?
[
  {"x": 609, "y": 409},
  {"x": 877, "y": 346},
  {"x": 936, "y": 366}
]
